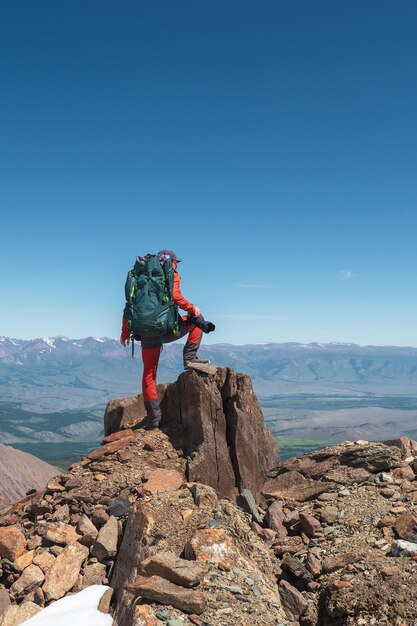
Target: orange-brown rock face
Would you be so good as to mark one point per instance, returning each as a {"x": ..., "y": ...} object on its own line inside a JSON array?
[
  {"x": 333, "y": 542},
  {"x": 215, "y": 419}
]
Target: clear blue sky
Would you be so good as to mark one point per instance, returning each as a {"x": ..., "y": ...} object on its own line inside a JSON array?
[{"x": 272, "y": 145}]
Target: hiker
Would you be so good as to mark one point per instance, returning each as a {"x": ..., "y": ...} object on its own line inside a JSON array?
[{"x": 162, "y": 267}]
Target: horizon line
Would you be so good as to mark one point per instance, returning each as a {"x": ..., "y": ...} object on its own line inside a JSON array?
[{"x": 220, "y": 343}]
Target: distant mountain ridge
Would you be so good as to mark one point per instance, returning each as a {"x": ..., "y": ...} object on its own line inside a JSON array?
[
  {"x": 99, "y": 364},
  {"x": 54, "y": 389}
]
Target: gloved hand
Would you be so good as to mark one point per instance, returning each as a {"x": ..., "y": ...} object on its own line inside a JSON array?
[
  {"x": 125, "y": 334},
  {"x": 200, "y": 322}
]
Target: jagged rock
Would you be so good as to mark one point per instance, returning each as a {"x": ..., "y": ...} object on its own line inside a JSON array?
[
  {"x": 104, "y": 604},
  {"x": 310, "y": 524},
  {"x": 203, "y": 495},
  {"x": 407, "y": 446},
  {"x": 12, "y": 542},
  {"x": 94, "y": 574},
  {"x": 44, "y": 560},
  {"x": 55, "y": 485},
  {"x": 63, "y": 574},
  {"x": 24, "y": 561},
  {"x": 99, "y": 517},
  {"x": 120, "y": 434},
  {"x": 106, "y": 543},
  {"x": 313, "y": 564},
  {"x": 293, "y": 565},
  {"x": 292, "y": 600},
  {"x": 110, "y": 448},
  {"x": 293, "y": 486},
  {"x": 339, "y": 561},
  {"x": 266, "y": 534},
  {"x": 291, "y": 544},
  {"x": 406, "y": 527},
  {"x": 61, "y": 513},
  {"x": 123, "y": 413},
  {"x": 4, "y": 602},
  {"x": 375, "y": 457},
  {"x": 61, "y": 534},
  {"x": 157, "y": 525},
  {"x": 194, "y": 406},
  {"x": 404, "y": 472},
  {"x": 248, "y": 504},
  {"x": 162, "y": 480},
  {"x": 16, "y": 615},
  {"x": 30, "y": 579},
  {"x": 164, "y": 592},
  {"x": 216, "y": 421},
  {"x": 87, "y": 531},
  {"x": 178, "y": 571},
  {"x": 275, "y": 519},
  {"x": 119, "y": 507},
  {"x": 254, "y": 450},
  {"x": 404, "y": 548}
]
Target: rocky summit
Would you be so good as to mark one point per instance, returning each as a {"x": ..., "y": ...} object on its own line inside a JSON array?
[{"x": 200, "y": 524}]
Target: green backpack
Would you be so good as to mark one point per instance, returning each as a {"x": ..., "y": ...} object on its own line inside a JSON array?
[{"x": 150, "y": 310}]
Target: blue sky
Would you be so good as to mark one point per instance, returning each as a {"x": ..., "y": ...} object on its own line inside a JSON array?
[{"x": 272, "y": 144}]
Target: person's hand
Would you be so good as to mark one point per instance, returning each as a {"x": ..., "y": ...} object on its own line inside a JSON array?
[
  {"x": 197, "y": 311},
  {"x": 125, "y": 341},
  {"x": 125, "y": 334}
]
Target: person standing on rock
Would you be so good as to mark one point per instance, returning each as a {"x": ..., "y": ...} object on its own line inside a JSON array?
[{"x": 193, "y": 324}]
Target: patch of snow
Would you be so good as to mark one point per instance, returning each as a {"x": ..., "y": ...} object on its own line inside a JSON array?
[
  {"x": 49, "y": 342},
  {"x": 79, "y": 609},
  {"x": 99, "y": 339}
]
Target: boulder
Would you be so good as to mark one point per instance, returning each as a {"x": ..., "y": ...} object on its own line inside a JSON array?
[
  {"x": 31, "y": 579},
  {"x": 292, "y": 600},
  {"x": 4, "y": 602},
  {"x": 16, "y": 615},
  {"x": 193, "y": 408},
  {"x": 406, "y": 527},
  {"x": 253, "y": 448},
  {"x": 178, "y": 571},
  {"x": 63, "y": 574},
  {"x": 106, "y": 542},
  {"x": 123, "y": 413},
  {"x": 294, "y": 486},
  {"x": 61, "y": 534},
  {"x": 12, "y": 543},
  {"x": 248, "y": 504},
  {"x": 407, "y": 446},
  {"x": 275, "y": 519},
  {"x": 375, "y": 457},
  {"x": 162, "y": 591}
]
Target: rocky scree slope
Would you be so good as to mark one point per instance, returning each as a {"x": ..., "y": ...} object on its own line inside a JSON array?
[
  {"x": 200, "y": 524},
  {"x": 20, "y": 472}
]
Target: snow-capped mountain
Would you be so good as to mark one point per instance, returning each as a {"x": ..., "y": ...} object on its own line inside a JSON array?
[{"x": 54, "y": 389}]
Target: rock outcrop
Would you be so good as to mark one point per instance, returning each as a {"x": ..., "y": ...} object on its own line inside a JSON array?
[
  {"x": 21, "y": 472},
  {"x": 328, "y": 538},
  {"x": 216, "y": 421}
]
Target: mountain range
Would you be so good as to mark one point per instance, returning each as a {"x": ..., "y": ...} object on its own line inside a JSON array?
[{"x": 53, "y": 390}]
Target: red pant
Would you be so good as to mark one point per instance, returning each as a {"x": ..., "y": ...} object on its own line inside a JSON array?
[{"x": 151, "y": 349}]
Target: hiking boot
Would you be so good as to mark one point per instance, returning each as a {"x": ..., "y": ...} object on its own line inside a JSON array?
[{"x": 195, "y": 362}]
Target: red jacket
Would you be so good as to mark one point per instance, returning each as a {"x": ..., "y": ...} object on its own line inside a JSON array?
[{"x": 178, "y": 298}]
